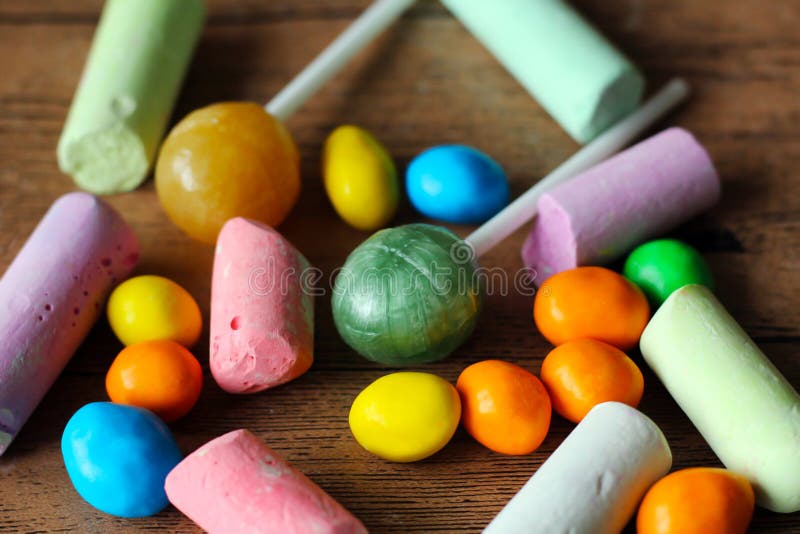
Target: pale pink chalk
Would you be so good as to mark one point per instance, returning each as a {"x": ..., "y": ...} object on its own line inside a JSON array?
[
  {"x": 236, "y": 484},
  {"x": 638, "y": 194},
  {"x": 52, "y": 294},
  {"x": 262, "y": 319}
]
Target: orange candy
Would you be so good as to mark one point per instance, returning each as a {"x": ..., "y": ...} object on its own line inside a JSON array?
[
  {"x": 161, "y": 376},
  {"x": 591, "y": 302},
  {"x": 503, "y": 406},
  {"x": 582, "y": 373},
  {"x": 700, "y": 500},
  {"x": 223, "y": 161}
]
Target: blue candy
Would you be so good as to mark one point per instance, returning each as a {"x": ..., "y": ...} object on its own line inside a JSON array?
[
  {"x": 456, "y": 183},
  {"x": 118, "y": 457}
]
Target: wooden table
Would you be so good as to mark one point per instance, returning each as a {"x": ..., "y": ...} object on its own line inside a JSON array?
[{"x": 426, "y": 82}]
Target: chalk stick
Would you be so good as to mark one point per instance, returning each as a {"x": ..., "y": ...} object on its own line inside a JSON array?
[
  {"x": 52, "y": 294},
  {"x": 581, "y": 79},
  {"x": 742, "y": 405},
  {"x": 642, "y": 192},
  {"x": 235, "y": 484},
  {"x": 594, "y": 480},
  {"x": 139, "y": 56},
  {"x": 262, "y": 318}
]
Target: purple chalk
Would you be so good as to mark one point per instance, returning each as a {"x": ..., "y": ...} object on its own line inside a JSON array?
[
  {"x": 602, "y": 213},
  {"x": 50, "y": 297}
]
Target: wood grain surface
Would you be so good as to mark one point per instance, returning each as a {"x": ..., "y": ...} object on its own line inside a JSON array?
[{"x": 425, "y": 82}]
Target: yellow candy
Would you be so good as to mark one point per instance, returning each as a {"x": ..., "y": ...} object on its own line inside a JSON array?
[
  {"x": 360, "y": 178},
  {"x": 149, "y": 308},
  {"x": 406, "y": 416}
]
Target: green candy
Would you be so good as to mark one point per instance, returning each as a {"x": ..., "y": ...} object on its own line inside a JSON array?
[
  {"x": 407, "y": 295},
  {"x": 660, "y": 267}
]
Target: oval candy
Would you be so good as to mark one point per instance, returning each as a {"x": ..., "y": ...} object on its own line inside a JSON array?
[
  {"x": 456, "y": 183},
  {"x": 405, "y": 416},
  {"x": 118, "y": 457},
  {"x": 360, "y": 178},
  {"x": 592, "y": 302},
  {"x": 583, "y": 373},
  {"x": 147, "y": 308},
  {"x": 505, "y": 407},
  {"x": 697, "y": 500},
  {"x": 660, "y": 267},
  {"x": 161, "y": 376}
]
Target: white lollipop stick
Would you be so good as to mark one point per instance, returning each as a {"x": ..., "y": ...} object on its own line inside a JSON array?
[
  {"x": 379, "y": 16},
  {"x": 605, "y": 145}
]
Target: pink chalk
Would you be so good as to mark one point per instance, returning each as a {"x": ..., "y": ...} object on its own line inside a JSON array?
[
  {"x": 602, "y": 213},
  {"x": 236, "y": 484},
  {"x": 262, "y": 321},
  {"x": 52, "y": 294}
]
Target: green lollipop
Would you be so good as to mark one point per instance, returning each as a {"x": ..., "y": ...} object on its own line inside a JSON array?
[
  {"x": 411, "y": 294},
  {"x": 407, "y": 295}
]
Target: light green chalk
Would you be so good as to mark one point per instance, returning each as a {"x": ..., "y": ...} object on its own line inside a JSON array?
[
  {"x": 139, "y": 56},
  {"x": 576, "y": 75},
  {"x": 745, "y": 409}
]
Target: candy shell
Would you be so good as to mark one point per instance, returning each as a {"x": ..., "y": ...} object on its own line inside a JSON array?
[
  {"x": 456, "y": 183},
  {"x": 147, "y": 308},
  {"x": 118, "y": 457},
  {"x": 505, "y": 407},
  {"x": 591, "y": 302},
  {"x": 699, "y": 500},
  {"x": 360, "y": 178},
  {"x": 662, "y": 266},
  {"x": 405, "y": 416},
  {"x": 583, "y": 373},
  {"x": 161, "y": 376}
]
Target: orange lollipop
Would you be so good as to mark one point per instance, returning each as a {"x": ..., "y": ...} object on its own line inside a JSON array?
[
  {"x": 700, "y": 500},
  {"x": 591, "y": 302},
  {"x": 161, "y": 376},
  {"x": 223, "y": 161},
  {"x": 503, "y": 406},
  {"x": 236, "y": 159},
  {"x": 582, "y": 373}
]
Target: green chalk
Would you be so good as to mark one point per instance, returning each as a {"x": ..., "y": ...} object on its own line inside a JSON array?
[
  {"x": 139, "y": 56},
  {"x": 742, "y": 405},
  {"x": 574, "y": 72}
]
